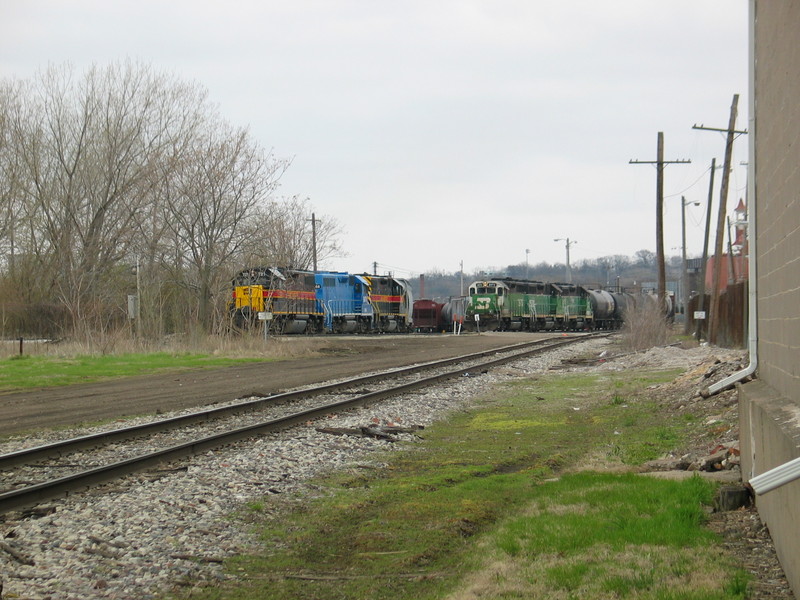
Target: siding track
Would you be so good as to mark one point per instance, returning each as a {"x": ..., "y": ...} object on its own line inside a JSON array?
[{"x": 23, "y": 493}]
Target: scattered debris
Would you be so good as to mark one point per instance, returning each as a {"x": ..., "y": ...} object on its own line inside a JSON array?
[
  {"x": 16, "y": 554},
  {"x": 381, "y": 432}
]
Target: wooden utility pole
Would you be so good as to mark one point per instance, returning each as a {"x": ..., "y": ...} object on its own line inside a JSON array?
[
  {"x": 713, "y": 323},
  {"x": 314, "y": 240},
  {"x": 702, "y": 299},
  {"x": 660, "y": 163}
]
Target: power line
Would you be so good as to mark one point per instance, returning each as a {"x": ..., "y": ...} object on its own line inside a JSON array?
[{"x": 694, "y": 183}]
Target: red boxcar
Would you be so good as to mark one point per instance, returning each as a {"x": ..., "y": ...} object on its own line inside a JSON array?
[{"x": 427, "y": 315}]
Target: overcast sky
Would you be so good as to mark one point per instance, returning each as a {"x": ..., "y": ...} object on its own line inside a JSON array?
[{"x": 437, "y": 132}]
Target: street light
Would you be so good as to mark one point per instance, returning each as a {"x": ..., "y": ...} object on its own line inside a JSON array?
[
  {"x": 527, "y": 251},
  {"x": 685, "y": 285},
  {"x": 568, "y": 244}
]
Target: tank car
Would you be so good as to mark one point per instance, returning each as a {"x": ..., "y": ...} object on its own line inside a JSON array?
[
  {"x": 623, "y": 303},
  {"x": 669, "y": 303},
  {"x": 454, "y": 313},
  {"x": 609, "y": 308}
]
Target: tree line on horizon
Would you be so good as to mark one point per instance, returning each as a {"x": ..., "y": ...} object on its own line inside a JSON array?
[{"x": 607, "y": 272}]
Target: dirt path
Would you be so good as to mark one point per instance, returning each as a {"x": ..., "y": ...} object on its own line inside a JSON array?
[{"x": 339, "y": 357}]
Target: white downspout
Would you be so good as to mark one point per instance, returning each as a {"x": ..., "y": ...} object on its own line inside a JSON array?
[{"x": 752, "y": 343}]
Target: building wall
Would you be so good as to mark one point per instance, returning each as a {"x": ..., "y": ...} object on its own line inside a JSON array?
[
  {"x": 778, "y": 190},
  {"x": 769, "y": 407}
]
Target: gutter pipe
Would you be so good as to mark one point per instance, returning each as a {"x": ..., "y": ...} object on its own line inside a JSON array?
[
  {"x": 752, "y": 320},
  {"x": 775, "y": 478}
]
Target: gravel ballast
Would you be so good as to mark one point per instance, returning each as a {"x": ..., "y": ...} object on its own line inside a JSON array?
[{"x": 141, "y": 536}]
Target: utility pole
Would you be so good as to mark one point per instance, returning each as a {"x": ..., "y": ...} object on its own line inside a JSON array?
[
  {"x": 660, "y": 163},
  {"x": 314, "y": 240},
  {"x": 699, "y": 326},
  {"x": 731, "y": 132},
  {"x": 731, "y": 266}
]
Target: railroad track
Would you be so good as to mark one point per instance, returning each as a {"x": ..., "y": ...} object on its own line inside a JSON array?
[{"x": 283, "y": 414}]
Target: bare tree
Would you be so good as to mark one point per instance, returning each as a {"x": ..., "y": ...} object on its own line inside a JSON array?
[
  {"x": 217, "y": 190},
  {"x": 90, "y": 165},
  {"x": 281, "y": 234}
]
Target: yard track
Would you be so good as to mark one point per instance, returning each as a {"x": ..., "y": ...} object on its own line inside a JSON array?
[{"x": 31, "y": 494}]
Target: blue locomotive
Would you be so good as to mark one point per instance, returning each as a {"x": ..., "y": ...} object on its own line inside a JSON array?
[{"x": 303, "y": 301}]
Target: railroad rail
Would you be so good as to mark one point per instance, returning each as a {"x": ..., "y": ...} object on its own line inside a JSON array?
[{"x": 46, "y": 490}]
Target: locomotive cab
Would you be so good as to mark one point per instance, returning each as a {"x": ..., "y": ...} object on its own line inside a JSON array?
[{"x": 487, "y": 300}]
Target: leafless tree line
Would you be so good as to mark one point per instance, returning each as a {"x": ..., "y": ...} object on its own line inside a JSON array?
[{"x": 121, "y": 180}]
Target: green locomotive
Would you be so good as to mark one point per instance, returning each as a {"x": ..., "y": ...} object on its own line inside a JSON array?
[{"x": 508, "y": 304}]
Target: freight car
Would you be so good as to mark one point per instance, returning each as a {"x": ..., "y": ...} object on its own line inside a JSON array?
[
  {"x": 431, "y": 316},
  {"x": 302, "y": 301},
  {"x": 427, "y": 316},
  {"x": 609, "y": 308}
]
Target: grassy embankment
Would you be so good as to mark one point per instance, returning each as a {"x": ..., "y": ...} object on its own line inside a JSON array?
[
  {"x": 45, "y": 364},
  {"x": 529, "y": 495},
  {"x": 44, "y": 371}
]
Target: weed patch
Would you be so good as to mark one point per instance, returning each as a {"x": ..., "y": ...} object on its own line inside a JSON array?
[{"x": 497, "y": 503}]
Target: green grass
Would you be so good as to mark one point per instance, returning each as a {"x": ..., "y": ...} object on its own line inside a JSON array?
[
  {"x": 613, "y": 510},
  {"x": 21, "y": 372},
  {"x": 485, "y": 508}
]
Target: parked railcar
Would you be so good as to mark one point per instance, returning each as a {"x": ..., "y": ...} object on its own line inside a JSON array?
[
  {"x": 345, "y": 301},
  {"x": 427, "y": 316},
  {"x": 287, "y": 297},
  {"x": 507, "y": 304},
  {"x": 392, "y": 302},
  {"x": 432, "y": 316},
  {"x": 609, "y": 308},
  {"x": 573, "y": 307},
  {"x": 454, "y": 313},
  {"x": 300, "y": 301}
]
